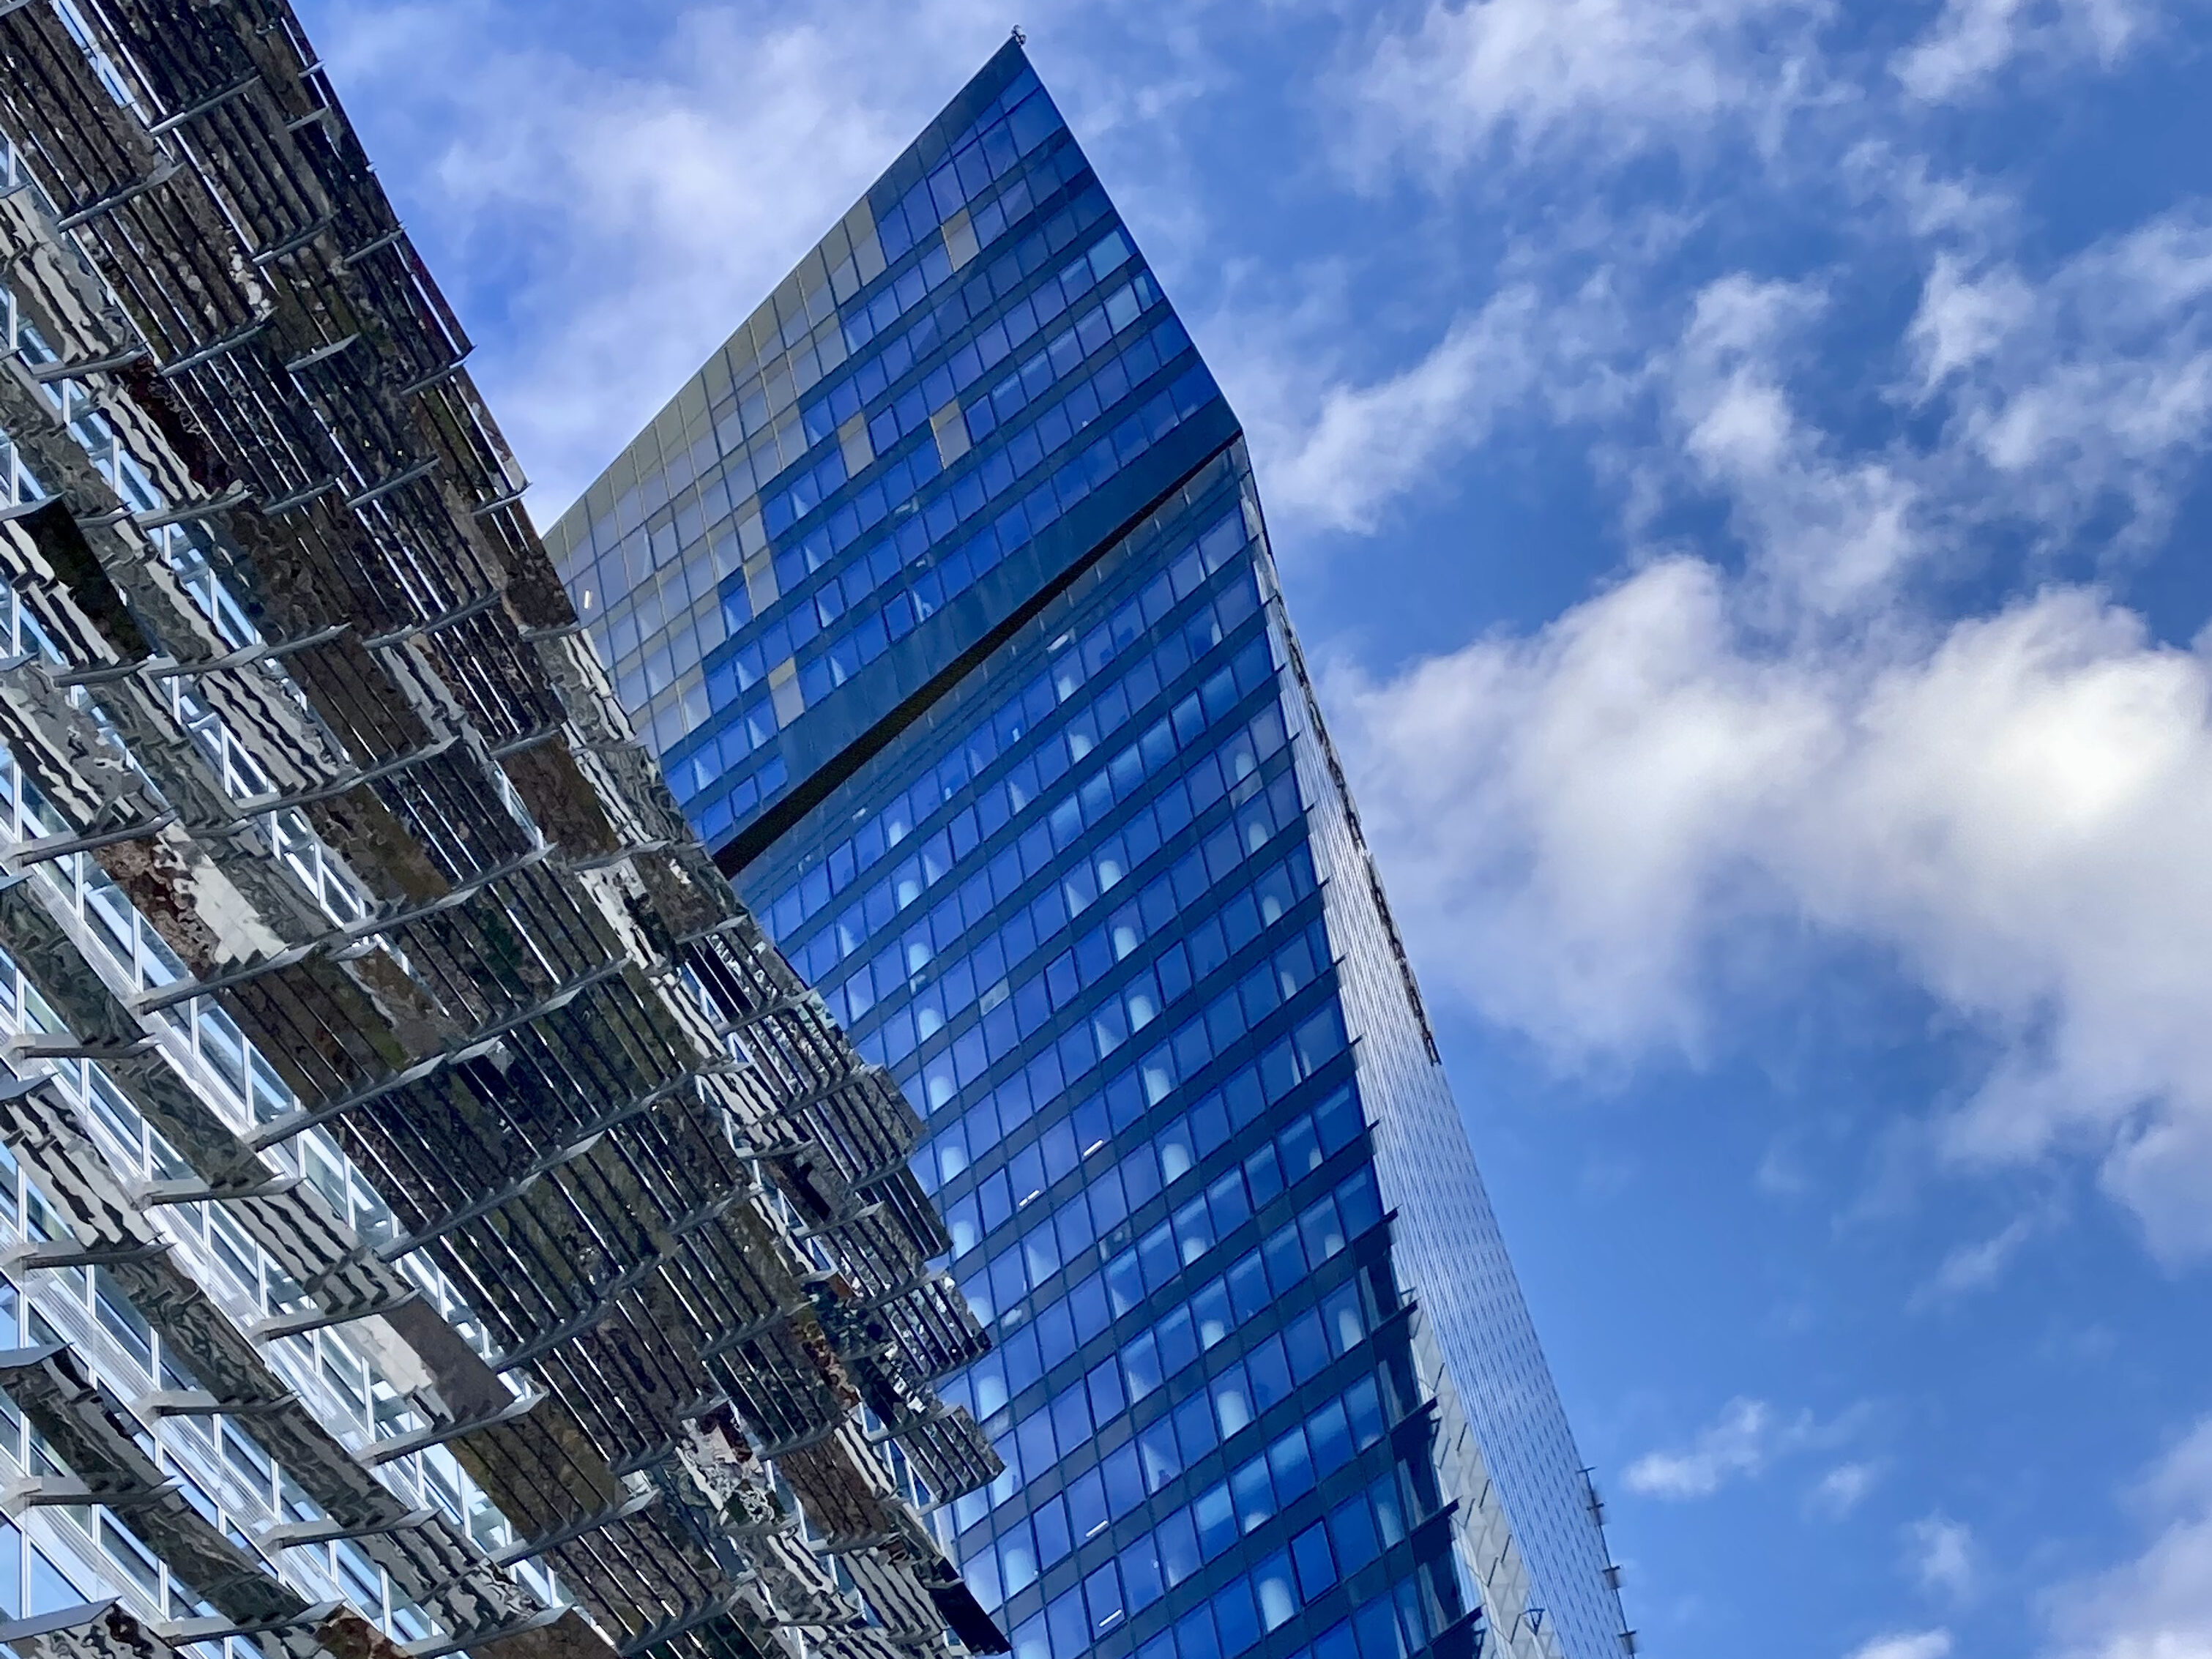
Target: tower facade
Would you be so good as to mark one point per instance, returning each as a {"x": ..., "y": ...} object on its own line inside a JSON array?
[{"x": 943, "y": 594}]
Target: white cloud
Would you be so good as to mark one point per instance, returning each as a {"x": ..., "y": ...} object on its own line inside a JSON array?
[
  {"x": 1963, "y": 320},
  {"x": 1832, "y": 529},
  {"x": 1590, "y": 831},
  {"x": 616, "y": 208},
  {"x": 2090, "y": 387},
  {"x": 1617, "y": 76},
  {"x": 1942, "y": 1556},
  {"x": 609, "y": 196},
  {"x": 1975, "y": 1267},
  {"x": 1358, "y": 448},
  {"x": 1369, "y": 444},
  {"x": 1562, "y": 816},
  {"x": 2158, "y": 1605},
  {"x": 1928, "y": 203},
  {"x": 1973, "y": 40},
  {"x": 2079, "y": 396},
  {"x": 1918, "y": 1645},
  {"x": 1555, "y": 343},
  {"x": 1843, "y": 1488},
  {"x": 1739, "y": 1444},
  {"x": 1658, "y": 802}
]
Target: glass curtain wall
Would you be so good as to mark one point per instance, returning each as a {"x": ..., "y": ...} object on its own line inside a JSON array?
[{"x": 943, "y": 594}]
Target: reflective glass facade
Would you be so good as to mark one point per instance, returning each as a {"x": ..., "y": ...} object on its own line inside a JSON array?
[{"x": 943, "y": 593}]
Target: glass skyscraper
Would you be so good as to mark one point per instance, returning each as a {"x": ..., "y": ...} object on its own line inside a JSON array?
[{"x": 943, "y": 594}]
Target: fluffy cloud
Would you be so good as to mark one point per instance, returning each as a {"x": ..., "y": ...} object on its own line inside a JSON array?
[
  {"x": 1843, "y": 1488},
  {"x": 1975, "y": 1267},
  {"x": 1739, "y": 1444},
  {"x": 1832, "y": 530},
  {"x": 2159, "y": 1605},
  {"x": 1587, "y": 828},
  {"x": 1602, "y": 831},
  {"x": 1358, "y": 448},
  {"x": 1521, "y": 76},
  {"x": 1369, "y": 444},
  {"x": 1973, "y": 40},
  {"x": 2087, "y": 390},
  {"x": 1941, "y": 1555},
  {"x": 1485, "y": 81},
  {"x": 612, "y": 205},
  {"x": 1916, "y": 1644}
]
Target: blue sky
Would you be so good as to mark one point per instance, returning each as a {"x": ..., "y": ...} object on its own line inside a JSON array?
[{"x": 1738, "y": 465}]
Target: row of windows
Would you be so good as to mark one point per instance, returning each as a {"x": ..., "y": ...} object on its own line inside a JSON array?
[
  {"x": 958, "y": 982},
  {"x": 1027, "y": 190},
  {"x": 238, "y": 1080},
  {"x": 1014, "y": 721},
  {"x": 1038, "y": 849},
  {"x": 1074, "y": 480},
  {"x": 1210, "y": 1412},
  {"x": 1234, "y": 1618},
  {"x": 1399, "y": 1625},
  {"x": 753, "y": 452},
  {"x": 838, "y": 655},
  {"x": 673, "y": 612},
  {"x": 1093, "y": 877},
  {"x": 914, "y": 409},
  {"x": 1027, "y": 857},
  {"x": 863, "y": 638},
  {"x": 1259, "y": 1488},
  {"x": 742, "y": 731},
  {"x": 240, "y": 776},
  {"x": 1007, "y": 1013},
  {"x": 1077, "y": 810},
  {"x": 979, "y": 1127},
  {"x": 1049, "y": 1522},
  {"x": 1109, "y": 1196},
  {"x": 1234, "y": 1397},
  {"x": 232, "y": 1072},
  {"x": 1006, "y": 466},
  {"x": 930, "y": 406},
  {"x": 911, "y": 411},
  {"x": 1148, "y": 1361},
  {"x": 722, "y": 815},
  {"x": 1029, "y": 119},
  {"x": 1239, "y": 1099},
  {"x": 1024, "y": 1267},
  {"x": 1318, "y": 1233},
  {"x": 890, "y": 362},
  {"x": 756, "y": 437},
  {"x": 1032, "y": 192},
  {"x": 761, "y": 380},
  {"x": 1213, "y": 776},
  {"x": 33, "y": 1582},
  {"x": 218, "y": 1466},
  {"x": 1188, "y": 960},
  {"x": 1060, "y": 355}
]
